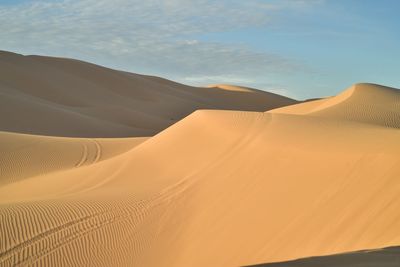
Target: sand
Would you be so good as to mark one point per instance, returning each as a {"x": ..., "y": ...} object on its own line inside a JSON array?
[{"x": 216, "y": 188}]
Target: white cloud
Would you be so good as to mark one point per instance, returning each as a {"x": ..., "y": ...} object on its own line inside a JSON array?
[{"x": 152, "y": 36}]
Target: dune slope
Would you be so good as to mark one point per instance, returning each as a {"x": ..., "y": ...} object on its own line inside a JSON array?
[
  {"x": 23, "y": 156},
  {"x": 287, "y": 186},
  {"x": 66, "y": 97},
  {"x": 363, "y": 102}
]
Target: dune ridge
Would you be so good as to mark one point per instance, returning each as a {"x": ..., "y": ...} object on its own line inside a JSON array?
[
  {"x": 216, "y": 188},
  {"x": 363, "y": 102}
]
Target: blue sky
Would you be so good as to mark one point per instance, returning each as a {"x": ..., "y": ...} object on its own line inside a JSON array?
[{"x": 300, "y": 48}]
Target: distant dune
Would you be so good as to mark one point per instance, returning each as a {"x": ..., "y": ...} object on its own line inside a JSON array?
[
  {"x": 216, "y": 188},
  {"x": 65, "y": 97}
]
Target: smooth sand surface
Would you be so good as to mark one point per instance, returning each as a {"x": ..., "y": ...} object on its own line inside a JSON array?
[
  {"x": 23, "y": 156},
  {"x": 217, "y": 188}
]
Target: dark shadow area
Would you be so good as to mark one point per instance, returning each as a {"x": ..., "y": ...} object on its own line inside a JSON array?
[{"x": 386, "y": 257}]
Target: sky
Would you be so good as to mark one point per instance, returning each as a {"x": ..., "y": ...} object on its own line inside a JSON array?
[{"x": 298, "y": 48}]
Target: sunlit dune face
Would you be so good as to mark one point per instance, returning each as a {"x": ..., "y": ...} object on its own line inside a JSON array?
[{"x": 184, "y": 188}]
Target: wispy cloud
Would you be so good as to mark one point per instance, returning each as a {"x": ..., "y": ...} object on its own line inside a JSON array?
[{"x": 153, "y": 36}]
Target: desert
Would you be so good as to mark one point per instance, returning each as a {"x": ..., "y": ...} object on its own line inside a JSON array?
[
  {"x": 199, "y": 133},
  {"x": 213, "y": 176}
]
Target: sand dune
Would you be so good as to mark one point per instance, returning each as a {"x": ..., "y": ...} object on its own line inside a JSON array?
[
  {"x": 236, "y": 188},
  {"x": 65, "y": 97},
  {"x": 217, "y": 188},
  {"x": 23, "y": 156},
  {"x": 367, "y": 103}
]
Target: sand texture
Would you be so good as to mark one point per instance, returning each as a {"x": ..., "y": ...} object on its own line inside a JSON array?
[{"x": 234, "y": 187}]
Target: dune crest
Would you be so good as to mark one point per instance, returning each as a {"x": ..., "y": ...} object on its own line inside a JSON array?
[{"x": 363, "y": 102}]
